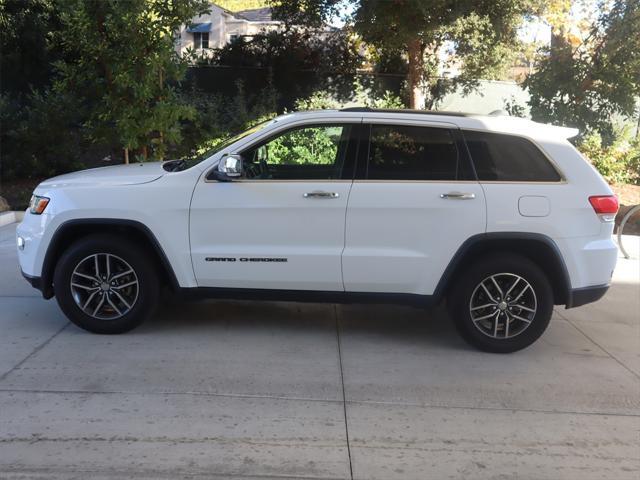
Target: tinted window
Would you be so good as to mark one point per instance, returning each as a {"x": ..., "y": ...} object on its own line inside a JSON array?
[
  {"x": 399, "y": 152},
  {"x": 306, "y": 153},
  {"x": 508, "y": 158}
]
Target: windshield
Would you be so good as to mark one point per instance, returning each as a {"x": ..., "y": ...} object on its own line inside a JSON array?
[{"x": 190, "y": 161}]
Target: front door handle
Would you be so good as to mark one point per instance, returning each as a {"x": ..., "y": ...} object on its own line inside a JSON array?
[
  {"x": 321, "y": 194},
  {"x": 458, "y": 196}
]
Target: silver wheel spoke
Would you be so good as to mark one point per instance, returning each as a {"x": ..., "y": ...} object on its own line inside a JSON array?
[
  {"x": 484, "y": 317},
  {"x": 89, "y": 300},
  {"x": 522, "y": 292},
  {"x": 100, "y": 303},
  {"x": 122, "y": 300},
  {"x": 96, "y": 266},
  {"x": 113, "y": 305},
  {"x": 488, "y": 293},
  {"x": 486, "y": 305},
  {"x": 122, "y": 274},
  {"x": 124, "y": 285},
  {"x": 506, "y": 326},
  {"x": 88, "y": 277},
  {"x": 495, "y": 325},
  {"x": 84, "y": 287},
  {"x": 512, "y": 287},
  {"x": 522, "y": 307},
  {"x": 493, "y": 279},
  {"x": 522, "y": 319},
  {"x": 108, "y": 266}
]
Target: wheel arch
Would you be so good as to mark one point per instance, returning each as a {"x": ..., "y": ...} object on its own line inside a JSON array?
[
  {"x": 539, "y": 248},
  {"x": 72, "y": 230}
]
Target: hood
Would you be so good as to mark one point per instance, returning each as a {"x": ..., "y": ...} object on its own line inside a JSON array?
[{"x": 131, "y": 174}]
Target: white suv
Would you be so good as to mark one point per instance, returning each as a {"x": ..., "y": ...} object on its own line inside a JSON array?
[{"x": 499, "y": 215}]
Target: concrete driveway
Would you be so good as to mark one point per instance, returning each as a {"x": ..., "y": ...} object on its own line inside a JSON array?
[{"x": 243, "y": 390}]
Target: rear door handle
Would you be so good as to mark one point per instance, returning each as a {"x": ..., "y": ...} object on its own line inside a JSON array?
[
  {"x": 458, "y": 196},
  {"x": 321, "y": 194}
]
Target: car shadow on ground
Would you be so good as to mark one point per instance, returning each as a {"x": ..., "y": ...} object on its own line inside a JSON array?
[{"x": 393, "y": 323}]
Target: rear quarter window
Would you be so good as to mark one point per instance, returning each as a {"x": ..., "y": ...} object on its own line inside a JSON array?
[{"x": 508, "y": 158}]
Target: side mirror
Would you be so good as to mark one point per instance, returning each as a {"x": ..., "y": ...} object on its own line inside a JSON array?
[{"x": 230, "y": 167}]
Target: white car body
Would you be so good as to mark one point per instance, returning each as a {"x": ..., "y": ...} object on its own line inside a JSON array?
[{"x": 373, "y": 236}]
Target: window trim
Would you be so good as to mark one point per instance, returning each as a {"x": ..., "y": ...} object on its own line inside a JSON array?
[
  {"x": 552, "y": 162},
  {"x": 463, "y": 155}
]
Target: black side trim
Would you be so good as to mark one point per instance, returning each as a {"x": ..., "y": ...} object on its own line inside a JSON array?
[
  {"x": 35, "y": 282},
  {"x": 582, "y": 296},
  {"x": 56, "y": 246},
  {"x": 484, "y": 241},
  {"x": 307, "y": 296}
]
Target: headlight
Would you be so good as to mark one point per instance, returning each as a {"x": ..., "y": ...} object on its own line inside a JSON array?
[{"x": 38, "y": 204}]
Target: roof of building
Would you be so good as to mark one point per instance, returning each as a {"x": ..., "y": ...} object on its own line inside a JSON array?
[{"x": 256, "y": 15}]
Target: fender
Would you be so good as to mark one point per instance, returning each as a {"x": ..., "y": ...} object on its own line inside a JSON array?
[
  {"x": 482, "y": 242},
  {"x": 57, "y": 244}
]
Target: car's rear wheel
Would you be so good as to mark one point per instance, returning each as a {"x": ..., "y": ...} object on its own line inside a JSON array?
[
  {"x": 502, "y": 303},
  {"x": 106, "y": 284}
]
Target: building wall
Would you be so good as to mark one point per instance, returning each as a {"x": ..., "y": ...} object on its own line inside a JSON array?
[{"x": 223, "y": 26}]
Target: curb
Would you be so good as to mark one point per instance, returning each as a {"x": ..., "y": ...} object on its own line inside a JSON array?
[{"x": 7, "y": 218}]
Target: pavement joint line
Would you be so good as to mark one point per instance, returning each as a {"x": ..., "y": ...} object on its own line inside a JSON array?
[
  {"x": 320, "y": 400},
  {"x": 154, "y": 473},
  {"x": 344, "y": 396},
  {"x": 600, "y": 346},
  {"x": 35, "y": 350}
]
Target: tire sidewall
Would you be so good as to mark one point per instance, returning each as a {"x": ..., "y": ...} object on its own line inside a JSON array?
[
  {"x": 495, "y": 264},
  {"x": 134, "y": 256}
]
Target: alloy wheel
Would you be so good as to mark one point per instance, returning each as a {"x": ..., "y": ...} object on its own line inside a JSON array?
[
  {"x": 104, "y": 286},
  {"x": 503, "y": 305}
]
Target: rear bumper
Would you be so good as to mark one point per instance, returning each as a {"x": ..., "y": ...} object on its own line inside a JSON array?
[{"x": 582, "y": 296}]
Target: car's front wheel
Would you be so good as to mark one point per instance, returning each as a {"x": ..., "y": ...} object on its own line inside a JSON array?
[
  {"x": 106, "y": 284},
  {"x": 502, "y": 303}
]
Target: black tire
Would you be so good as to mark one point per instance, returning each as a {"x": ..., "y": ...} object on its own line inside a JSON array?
[
  {"x": 146, "y": 274},
  {"x": 504, "y": 266}
]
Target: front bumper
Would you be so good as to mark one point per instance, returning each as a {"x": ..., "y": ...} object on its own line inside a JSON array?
[{"x": 582, "y": 296}]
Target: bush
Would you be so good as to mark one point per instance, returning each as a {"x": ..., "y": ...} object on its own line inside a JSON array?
[
  {"x": 40, "y": 135},
  {"x": 618, "y": 162}
]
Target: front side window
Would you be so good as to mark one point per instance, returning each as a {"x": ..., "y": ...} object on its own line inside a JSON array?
[
  {"x": 404, "y": 152},
  {"x": 508, "y": 158},
  {"x": 304, "y": 153}
]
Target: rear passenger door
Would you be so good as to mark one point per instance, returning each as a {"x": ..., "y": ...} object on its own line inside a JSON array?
[{"x": 413, "y": 203}]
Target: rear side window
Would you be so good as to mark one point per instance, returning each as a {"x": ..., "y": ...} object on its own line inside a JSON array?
[
  {"x": 508, "y": 158},
  {"x": 402, "y": 152}
]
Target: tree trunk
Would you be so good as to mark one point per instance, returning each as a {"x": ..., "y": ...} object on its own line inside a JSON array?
[
  {"x": 415, "y": 51},
  {"x": 126, "y": 155}
]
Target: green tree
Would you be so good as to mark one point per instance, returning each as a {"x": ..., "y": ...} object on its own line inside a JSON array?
[
  {"x": 120, "y": 60},
  {"x": 587, "y": 86},
  {"x": 479, "y": 32},
  {"x": 26, "y": 44}
]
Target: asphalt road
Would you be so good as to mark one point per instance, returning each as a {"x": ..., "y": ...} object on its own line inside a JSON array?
[{"x": 242, "y": 390}]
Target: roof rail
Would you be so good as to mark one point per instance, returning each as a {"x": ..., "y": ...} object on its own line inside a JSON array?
[{"x": 403, "y": 110}]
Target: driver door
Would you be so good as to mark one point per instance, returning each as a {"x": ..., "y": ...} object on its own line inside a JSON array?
[{"x": 282, "y": 224}]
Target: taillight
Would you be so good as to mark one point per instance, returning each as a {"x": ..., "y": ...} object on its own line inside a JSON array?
[{"x": 605, "y": 206}]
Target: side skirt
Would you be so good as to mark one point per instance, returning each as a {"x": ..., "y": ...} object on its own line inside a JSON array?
[{"x": 308, "y": 296}]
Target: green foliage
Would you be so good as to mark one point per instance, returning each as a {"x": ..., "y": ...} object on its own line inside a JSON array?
[
  {"x": 588, "y": 86},
  {"x": 27, "y": 44},
  {"x": 318, "y": 144},
  {"x": 239, "y": 5},
  {"x": 481, "y": 32},
  {"x": 361, "y": 96},
  {"x": 120, "y": 58},
  {"x": 618, "y": 162},
  {"x": 39, "y": 137}
]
